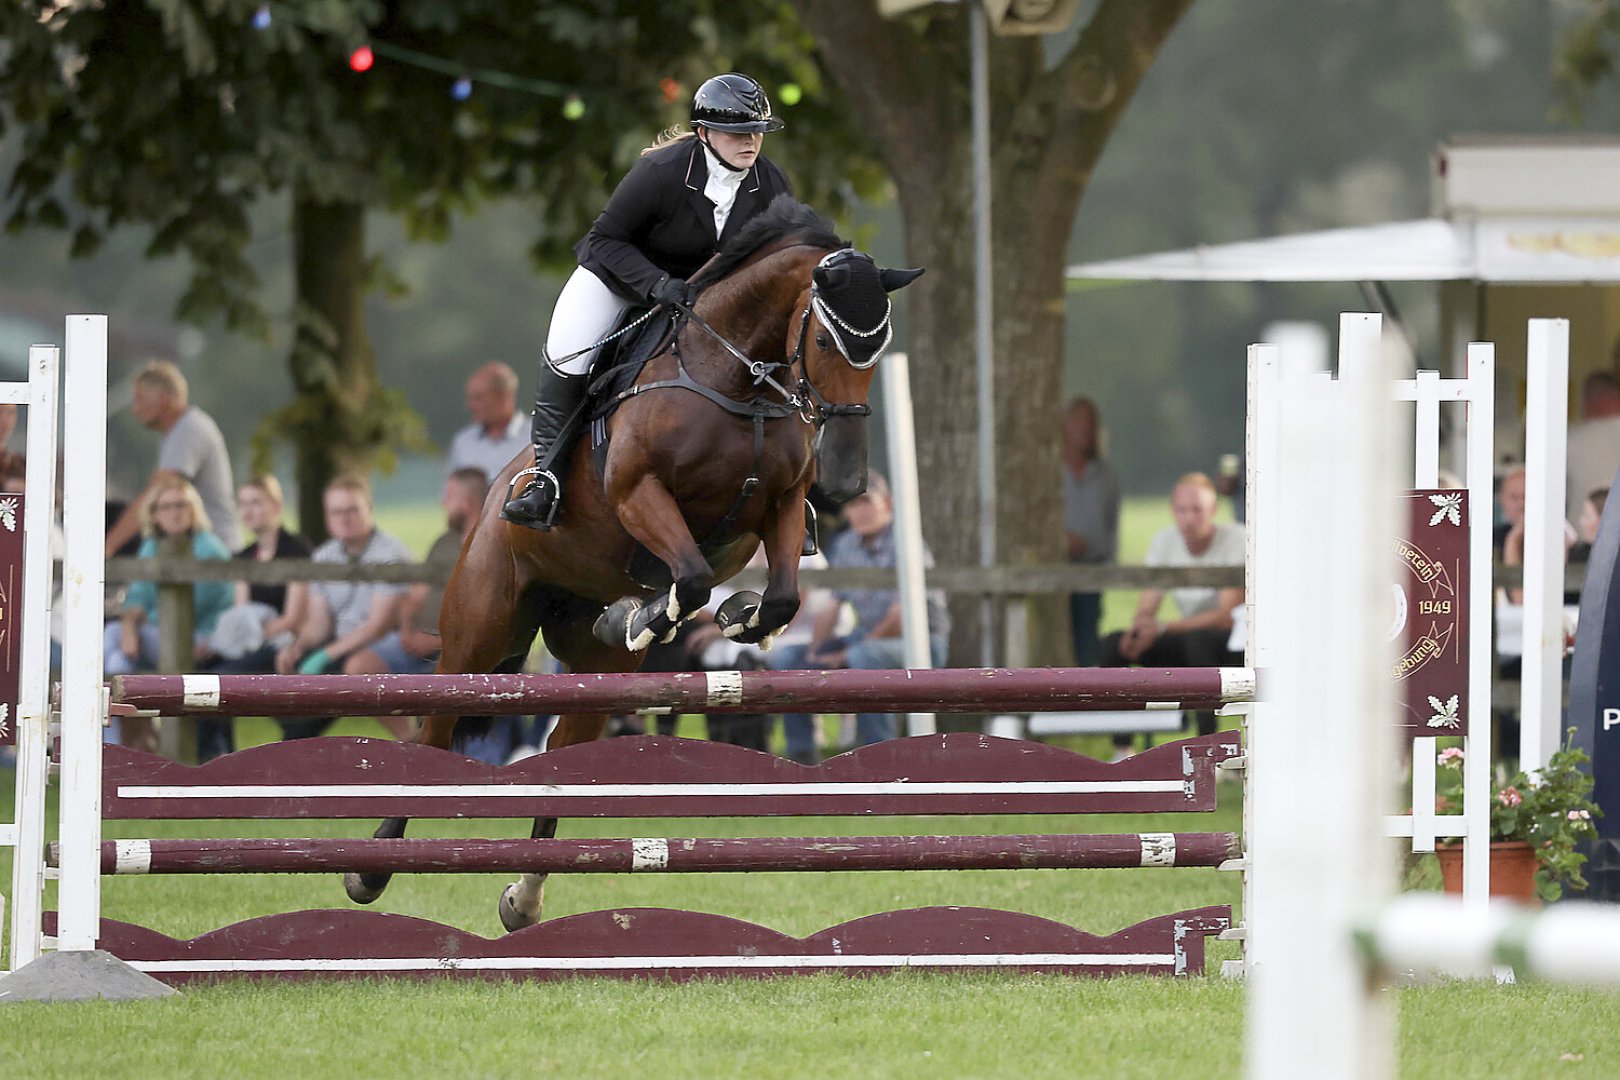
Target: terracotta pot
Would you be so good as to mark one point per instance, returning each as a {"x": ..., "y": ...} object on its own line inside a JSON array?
[{"x": 1513, "y": 870}]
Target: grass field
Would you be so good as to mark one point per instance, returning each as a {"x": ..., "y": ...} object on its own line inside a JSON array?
[{"x": 908, "y": 1025}]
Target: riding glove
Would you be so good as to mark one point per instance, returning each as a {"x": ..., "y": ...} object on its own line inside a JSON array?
[{"x": 672, "y": 290}]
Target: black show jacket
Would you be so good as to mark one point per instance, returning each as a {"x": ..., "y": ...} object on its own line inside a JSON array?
[{"x": 659, "y": 224}]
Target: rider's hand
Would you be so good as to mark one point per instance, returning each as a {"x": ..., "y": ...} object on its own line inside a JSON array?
[{"x": 672, "y": 290}]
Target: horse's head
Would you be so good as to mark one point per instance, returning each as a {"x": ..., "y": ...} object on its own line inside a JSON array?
[{"x": 847, "y": 327}]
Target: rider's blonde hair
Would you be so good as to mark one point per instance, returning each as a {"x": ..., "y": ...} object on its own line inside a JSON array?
[{"x": 669, "y": 135}]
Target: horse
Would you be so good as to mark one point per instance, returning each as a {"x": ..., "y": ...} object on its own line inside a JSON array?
[{"x": 760, "y": 391}]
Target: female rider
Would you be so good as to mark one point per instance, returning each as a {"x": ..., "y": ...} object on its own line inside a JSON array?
[{"x": 673, "y": 210}]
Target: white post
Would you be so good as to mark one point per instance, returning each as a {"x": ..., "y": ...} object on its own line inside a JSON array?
[
  {"x": 900, "y": 429},
  {"x": 1309, "y": 1010},
  {"x": 1481, "y": 657},
  {"x": 33, "y": 701},
  {"x": 1541, "y": 689},
  {"x": 1426, "y": 474},
  {"x": 83, "y": 585}
]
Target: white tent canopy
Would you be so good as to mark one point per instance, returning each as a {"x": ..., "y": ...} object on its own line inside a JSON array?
[{"x": 1536, "y": 249}]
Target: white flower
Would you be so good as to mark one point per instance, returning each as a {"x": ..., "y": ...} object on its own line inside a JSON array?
[
  {"x": 1445, "y": 713},
  {"x": 8, "y": 514},
  {"x": 5, "y": 721},
  {"x": 1450, "y": 508}
]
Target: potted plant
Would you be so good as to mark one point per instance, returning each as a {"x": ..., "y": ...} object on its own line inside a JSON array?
[{"x": 1537, "y": 820}]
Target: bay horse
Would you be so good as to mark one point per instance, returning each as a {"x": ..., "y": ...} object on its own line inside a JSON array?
[{"x": 761, "y": 391}]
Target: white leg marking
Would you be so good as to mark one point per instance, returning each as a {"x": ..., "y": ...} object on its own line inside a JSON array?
[{"x": 527, "y": 891}]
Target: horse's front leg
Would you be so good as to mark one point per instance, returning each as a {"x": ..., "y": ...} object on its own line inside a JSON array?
[
  {"x": 649, "y": 513},
  {"x": 754, "y": 619}
]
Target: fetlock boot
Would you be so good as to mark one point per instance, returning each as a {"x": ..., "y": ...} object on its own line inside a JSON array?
[{"x": 556, "y": 397}]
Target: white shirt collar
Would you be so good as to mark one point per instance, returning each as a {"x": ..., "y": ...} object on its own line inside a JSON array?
[{"x": 721, "y": 188}]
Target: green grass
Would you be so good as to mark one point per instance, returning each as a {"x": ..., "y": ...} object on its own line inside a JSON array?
[{"x": 909, "y": 1024}]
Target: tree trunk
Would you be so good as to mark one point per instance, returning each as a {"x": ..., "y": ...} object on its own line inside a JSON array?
[
  {"x": 332, "y": 422},
  {"x": 909, "y": 80}
]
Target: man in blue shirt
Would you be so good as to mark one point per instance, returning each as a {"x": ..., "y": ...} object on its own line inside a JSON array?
[{"x": 875, "y": 643}]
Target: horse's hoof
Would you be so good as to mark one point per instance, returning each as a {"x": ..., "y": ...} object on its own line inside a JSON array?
[
  {"x": 364, "y": 888},
  {"x": 740, "y": 608},
  {"x": 511, "y": 918},
  {"x": 612, "y": 627}
]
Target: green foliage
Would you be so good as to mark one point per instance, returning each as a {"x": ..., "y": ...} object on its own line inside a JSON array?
[
  {"x": 1586, "y": 54},
  {"x": 1550, "y": 808},
  {"x": 177, "y": 115}
]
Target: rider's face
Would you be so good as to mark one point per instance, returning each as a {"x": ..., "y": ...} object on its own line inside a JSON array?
[{"x": 739, "y": 149}]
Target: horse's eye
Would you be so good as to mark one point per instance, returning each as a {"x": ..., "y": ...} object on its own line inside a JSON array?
[{"x": 823, "y": 341}]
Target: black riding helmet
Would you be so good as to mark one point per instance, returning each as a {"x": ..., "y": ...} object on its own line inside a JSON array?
[{"x": 733, "y": 103}]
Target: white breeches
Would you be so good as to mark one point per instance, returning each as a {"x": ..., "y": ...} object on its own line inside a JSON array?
[{"x": 586, "y": 312}]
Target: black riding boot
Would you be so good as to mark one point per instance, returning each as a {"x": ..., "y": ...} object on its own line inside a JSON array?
[{"x": 556, "y": 397}]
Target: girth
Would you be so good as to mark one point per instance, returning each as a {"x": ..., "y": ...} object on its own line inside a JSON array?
[{"x": 758, "y": 410}]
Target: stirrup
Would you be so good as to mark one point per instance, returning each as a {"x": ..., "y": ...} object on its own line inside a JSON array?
[
  {"x": 812, "y": 538},
  {"x": 519, "y": 514}
]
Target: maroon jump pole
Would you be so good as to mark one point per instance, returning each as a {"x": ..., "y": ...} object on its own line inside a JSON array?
[
  {"x": 937, "y": 690},
  {"x": 618, "y": 856}
]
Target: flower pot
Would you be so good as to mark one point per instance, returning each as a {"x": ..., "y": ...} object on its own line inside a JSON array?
[{"x": 1513, "y": 870}]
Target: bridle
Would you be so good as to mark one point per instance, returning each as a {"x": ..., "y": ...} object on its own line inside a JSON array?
[{"x": 805, "y": 398}]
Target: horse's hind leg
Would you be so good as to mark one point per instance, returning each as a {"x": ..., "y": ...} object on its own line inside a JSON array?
[
  {"x": 569, "y": 638},
  {"x": 480, "y": 631}
]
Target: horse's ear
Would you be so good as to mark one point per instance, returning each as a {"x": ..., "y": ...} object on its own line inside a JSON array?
[
  {"x": 895, "y": 280},
  {"x": 831, "y": 277}
]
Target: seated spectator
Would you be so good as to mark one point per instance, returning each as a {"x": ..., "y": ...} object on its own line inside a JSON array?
[
  {"x": 1199, "y": 637},
  {"x": 875, "y": 643},
  {"x": 171, "y": 508},
  {"x": 345, "y": 618},
  {"x": 264, "y": 617},
  {"x": 413, "y": 647},
  {"x": 1586, "y": 527}
]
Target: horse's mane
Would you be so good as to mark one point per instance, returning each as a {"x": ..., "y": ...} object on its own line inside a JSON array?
[{"x": 785, "y": 219}]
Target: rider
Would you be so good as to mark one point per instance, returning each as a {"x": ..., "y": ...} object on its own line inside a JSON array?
[{"x": 689, "y": 193}]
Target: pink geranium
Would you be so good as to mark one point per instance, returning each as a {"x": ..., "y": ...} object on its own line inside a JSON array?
[
  {"x": 1450, "y": 757},
  {"x": 1510, "y": 797}
]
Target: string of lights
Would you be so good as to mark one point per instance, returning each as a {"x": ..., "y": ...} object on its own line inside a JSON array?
[{"x": 463, "y": 77}]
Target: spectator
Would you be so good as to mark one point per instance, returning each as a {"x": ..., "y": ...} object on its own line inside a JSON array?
[
  {"x": 1510, "y": 501},
  {"x": 497, "y": 434},
  {"x": 170, "y": 507},
  {"x": 413, "y": 648},
  {"x": 1594, "y": 442},
  {"x": 1586, "y": 529},
  {"x": 875, "y": 643},
  {"x": 191, "y": 448},
  {"x": 792, "y": 652},
  {"x": 1090, "y": 518},
  {"x": 11, "y": 462},
  {"x": 264, "y": 617},
  {"x": 1199, "y": 637},
  {"x": 346, "y": 617}
]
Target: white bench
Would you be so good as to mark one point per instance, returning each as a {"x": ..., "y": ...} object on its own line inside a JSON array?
[{"x": 1046, "y": 725}]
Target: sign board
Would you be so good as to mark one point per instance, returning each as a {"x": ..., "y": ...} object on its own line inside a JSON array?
[{"x": 1429, "y": 614}]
